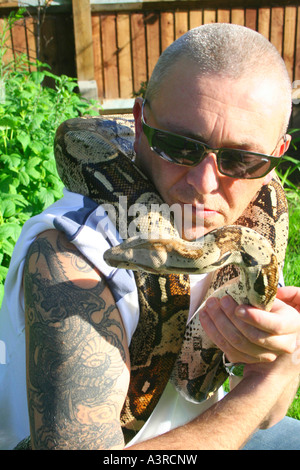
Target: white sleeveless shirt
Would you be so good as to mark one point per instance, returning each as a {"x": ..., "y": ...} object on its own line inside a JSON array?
[{"x": 88, "y": 227}]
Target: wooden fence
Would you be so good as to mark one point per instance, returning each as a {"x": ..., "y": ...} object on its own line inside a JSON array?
[
  {"x": 118, "y": 44},
  {"x": 51, "y": 41},
  {"x": 127, "y": 44}
]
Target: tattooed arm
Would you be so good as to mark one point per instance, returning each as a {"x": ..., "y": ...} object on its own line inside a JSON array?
[{"x": 77, "y": 353}]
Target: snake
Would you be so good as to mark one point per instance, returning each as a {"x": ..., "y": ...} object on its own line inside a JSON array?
[{"x": 95, "y": 158}]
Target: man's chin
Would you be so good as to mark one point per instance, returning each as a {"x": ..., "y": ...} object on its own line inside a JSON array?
[{"x": 192, "y": 232}]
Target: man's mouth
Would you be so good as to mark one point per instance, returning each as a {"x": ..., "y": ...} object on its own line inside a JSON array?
[{"x": 200, "y": 210}]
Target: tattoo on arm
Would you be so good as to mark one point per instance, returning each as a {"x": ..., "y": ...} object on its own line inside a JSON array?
[{"x": 76, "y": 353}]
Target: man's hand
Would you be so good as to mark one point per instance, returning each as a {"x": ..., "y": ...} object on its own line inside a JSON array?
[
  {"x": 249, "y": 335},
  {"x": 290, "y": 295}
]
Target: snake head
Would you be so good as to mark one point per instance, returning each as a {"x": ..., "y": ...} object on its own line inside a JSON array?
[
  {"x": 137, "y": 253},
  {"x": 163, "y": 256}
]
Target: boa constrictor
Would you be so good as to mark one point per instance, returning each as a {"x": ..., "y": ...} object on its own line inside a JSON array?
[{"x": 94, "y": 158}]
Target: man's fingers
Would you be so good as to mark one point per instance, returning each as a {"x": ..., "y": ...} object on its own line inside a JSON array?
[
  {"x": 290, "y": 295},
  {"x": 282, "y": 320}
]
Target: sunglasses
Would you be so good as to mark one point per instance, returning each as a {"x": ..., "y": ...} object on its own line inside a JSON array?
[{"x": 184, "y": 151}]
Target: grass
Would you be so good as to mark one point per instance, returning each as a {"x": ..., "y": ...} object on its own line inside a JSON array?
[
  {"x": 292, "y": 268},
  {"x": 292, "y": 261}
]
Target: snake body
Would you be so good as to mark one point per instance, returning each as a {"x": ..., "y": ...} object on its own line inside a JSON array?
[
  {"x": 237, "y": 245},
  {"x": 93, "y": 158}
]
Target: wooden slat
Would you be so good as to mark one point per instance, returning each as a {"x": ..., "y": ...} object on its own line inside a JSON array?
[
  {"x": 238, "y": 16},
  {"x": 297, "y": 56},
  {"x": 109, "y": 55},
  {"x": 83, "y": 39},
  {"x": 209, "y": 16},
  {"x": 57, "y": 45},
  {"x": 31, "y": 40},
  {"x": 264, "y": 16},
  {"x": 153, "y": 40},
  {"x": 138, "y": 50},
  {"x": 124, "y": 55},
  {"x": 49, "y": 46},
  {"x": 6, "y": 4},
  {"x": 277, "y": 28},
  {"x": 19, "y": 38},
  {"x": 181, "y": 23},
  {"x": 166, "y": 29},
  {"x": 289, "y": 39},
  {"x": 196, "y": 18},
  {"x": 223, "y": 16},
  {"x": 250, "y": 18},
  {"x": 172, "y": 5},
  {"x": 98, "y": 66},
  {"x": 64, "y": 50}
]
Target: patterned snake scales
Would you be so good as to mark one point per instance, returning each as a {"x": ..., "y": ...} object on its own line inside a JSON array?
[{"x": 93, "y": 158}]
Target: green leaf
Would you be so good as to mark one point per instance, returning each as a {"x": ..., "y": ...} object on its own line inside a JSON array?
[
  {"x": 3, "y": 272},
  {"x": 33, "y": 162},
  {"x": 37, "y": 120},
  {"x": 26, "y": 96},
  {"x": 10, "y": 230},
  {"x": 8, "y": 247},
  {"x": 31, "y": 170},
  {"x": 46, "y": 197},
  {"x": 8, "y": 183},
  {"x": 36, "y": 147},
  {"x": 8, "y": 208},
  {"x": 50, "y": 166},
  {"x": 24, "y": 178},
  {"x": 24, "y": 140},
  {"x": 37, "y": 77},
  {"x": 18, "y": 199},
  {"x": 12, "y": 161},
  {"x": 34, "y": 174},
  {"x": 9, "y": 121},
  {"x": 51, "y": 75}
]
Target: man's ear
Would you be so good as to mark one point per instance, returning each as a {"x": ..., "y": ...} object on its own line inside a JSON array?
[
  {"x": 137, "y": 113},
  {"x": 282, "y": 148},
  {"x": 284, "y": 145}
]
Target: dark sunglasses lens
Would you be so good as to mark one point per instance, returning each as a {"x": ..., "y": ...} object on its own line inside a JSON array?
[
  {"x": 177, "y": 149},
  {"x": 243, "y": 164}
]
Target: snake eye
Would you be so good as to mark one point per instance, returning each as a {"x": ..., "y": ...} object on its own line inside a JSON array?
[{"x": 248, "y": 259}]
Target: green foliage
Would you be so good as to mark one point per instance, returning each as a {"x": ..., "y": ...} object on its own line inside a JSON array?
[
  {"x": 291, "y": 268},
  {"x": 6, "y": 26},
  {"x": 292, "y": 261},
  {"x": 289, "y": 170},
  {"x": 142, "y": 91},
  {"x": 29, "y": 116},
  {"x": 294, "y": 409}
]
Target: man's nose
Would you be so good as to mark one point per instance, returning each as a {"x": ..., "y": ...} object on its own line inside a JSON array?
[{"x": 205, "y": 176}]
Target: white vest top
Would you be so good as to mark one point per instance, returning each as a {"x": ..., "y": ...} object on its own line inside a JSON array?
[{"x": 88, "y": 227}]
